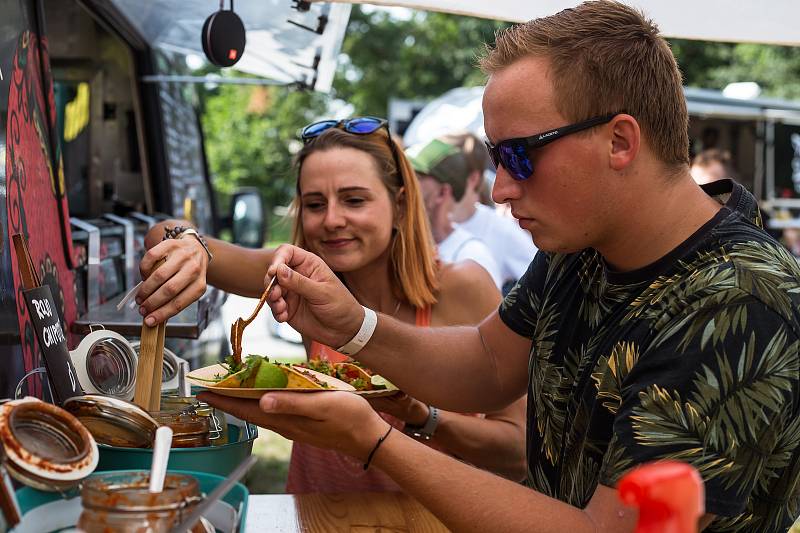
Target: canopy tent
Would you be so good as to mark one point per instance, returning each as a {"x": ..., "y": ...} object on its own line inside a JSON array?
[
  {"x": 773, "y": 22},
  {"x": 284, "y": 45}
]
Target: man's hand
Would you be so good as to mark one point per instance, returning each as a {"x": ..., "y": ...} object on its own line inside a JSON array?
[
  {"x": 340, "y": 421},
  {"x": 310, "y": 297},
  {"x": 174, "y": 285}
]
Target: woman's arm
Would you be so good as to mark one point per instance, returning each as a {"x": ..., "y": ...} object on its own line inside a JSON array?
[
  {"x": 182, "y": 279},
  {"x": 496, "y": 442}
]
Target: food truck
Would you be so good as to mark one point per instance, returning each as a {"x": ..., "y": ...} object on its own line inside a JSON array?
[{"x": 99, "y": 138}]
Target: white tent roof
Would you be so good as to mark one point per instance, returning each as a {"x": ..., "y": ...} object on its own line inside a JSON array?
[
  {"x": 277, "y": 48},
  {"x": 771, "y": 21}
]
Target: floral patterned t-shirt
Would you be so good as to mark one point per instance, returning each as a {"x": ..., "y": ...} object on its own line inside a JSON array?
[{"x": 694, "y": 358}]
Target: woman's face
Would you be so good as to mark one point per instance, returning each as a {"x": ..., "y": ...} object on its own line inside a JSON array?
[{"x": 347, "y": 212}]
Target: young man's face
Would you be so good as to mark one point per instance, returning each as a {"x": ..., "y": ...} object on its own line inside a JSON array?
[{"x": 566, "y": 204}]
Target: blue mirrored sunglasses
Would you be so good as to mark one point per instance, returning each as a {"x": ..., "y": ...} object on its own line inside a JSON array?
[
  {"x": 356, "y": 126},
  {"x": 513, "y": 154}
]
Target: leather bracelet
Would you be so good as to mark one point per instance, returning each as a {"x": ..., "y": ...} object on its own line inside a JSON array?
[{"x": 375, "y": 449}]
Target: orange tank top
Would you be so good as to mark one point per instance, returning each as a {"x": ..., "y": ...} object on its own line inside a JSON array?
[{"x": 313, "y": 469}]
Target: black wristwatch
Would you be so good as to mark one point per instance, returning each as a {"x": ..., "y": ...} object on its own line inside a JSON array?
[{"x": 425, "y": 431}]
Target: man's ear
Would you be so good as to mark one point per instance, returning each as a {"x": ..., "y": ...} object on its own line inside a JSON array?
[
  {"x": 474, "y": 180},
  {"x": 625, "y": 141},
  {"x": 445, "y": 191}
]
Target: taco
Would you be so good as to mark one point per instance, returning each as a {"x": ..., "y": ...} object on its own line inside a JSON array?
[{"x": 351, "y": 373}]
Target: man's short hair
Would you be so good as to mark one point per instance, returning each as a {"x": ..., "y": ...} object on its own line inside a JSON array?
[
  {"x": 606, "y": 57},
  {"x": 711, "y": 156}
]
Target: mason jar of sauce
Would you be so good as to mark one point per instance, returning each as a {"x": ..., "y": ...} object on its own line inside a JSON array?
[{"x": 120, "y": 502}]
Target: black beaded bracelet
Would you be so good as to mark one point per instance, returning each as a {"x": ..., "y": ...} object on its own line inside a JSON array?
[
  {"x": 375, "y": 449},
  {"x": 178, "y": 231}
]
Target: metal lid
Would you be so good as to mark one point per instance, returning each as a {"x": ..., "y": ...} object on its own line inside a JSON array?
[
  {"x": 45, "y": 446},
  {"x": 114, "y": 422}
]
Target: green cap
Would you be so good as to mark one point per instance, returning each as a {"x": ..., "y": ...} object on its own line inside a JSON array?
[{"x": 443, "y": 162}]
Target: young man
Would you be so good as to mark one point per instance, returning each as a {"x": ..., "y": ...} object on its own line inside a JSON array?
[
  {"x": 440, "y": 167},
  {"x": 658, "y": 323},
  {"x": 460, "y": 174}
]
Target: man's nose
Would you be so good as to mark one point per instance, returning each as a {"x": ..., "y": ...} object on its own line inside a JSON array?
[{"x": 505, "y": 188}]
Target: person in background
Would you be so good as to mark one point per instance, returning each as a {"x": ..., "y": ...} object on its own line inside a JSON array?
[
  {"x": 511, "y": 246},
  {"x": 440, "y": 167},
  {"x": 711, "y": 165},
  {"x": 358, "y": 206}
]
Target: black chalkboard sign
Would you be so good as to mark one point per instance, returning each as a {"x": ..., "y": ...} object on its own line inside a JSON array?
[{"x": 47, "y": 325}]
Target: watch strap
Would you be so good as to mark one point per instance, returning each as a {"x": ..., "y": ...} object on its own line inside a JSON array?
[{"x": 427, "y": 430}]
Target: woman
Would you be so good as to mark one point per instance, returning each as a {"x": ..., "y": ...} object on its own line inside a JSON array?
[{"x": 359, "y": 208}]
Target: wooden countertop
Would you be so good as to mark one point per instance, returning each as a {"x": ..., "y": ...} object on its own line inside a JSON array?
[{"x": 358, "y": 512}]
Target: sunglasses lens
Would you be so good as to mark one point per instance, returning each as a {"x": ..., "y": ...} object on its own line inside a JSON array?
[
  {"x": 315, "y": 129},
  {"x": 515, "y": 159},
  {"x": 363, "y": 125}
]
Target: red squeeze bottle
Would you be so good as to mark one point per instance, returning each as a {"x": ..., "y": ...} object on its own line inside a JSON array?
[{"x": 669, "y": 495}]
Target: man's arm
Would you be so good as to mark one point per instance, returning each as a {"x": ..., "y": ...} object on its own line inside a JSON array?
[
  {"x": 467, "y": 499},
  {"x": 463, "y": 497},
  {"x": 474, "y": 369},
  {"x": 468, "y": 368}
]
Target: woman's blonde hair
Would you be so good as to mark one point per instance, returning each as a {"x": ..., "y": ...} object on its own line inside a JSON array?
[{"x": 412, "y": 261}]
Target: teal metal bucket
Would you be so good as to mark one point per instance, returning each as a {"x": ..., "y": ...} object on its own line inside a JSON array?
[
  {"x": 63, "y": 512},
  {"x": 220, "y": 460}
]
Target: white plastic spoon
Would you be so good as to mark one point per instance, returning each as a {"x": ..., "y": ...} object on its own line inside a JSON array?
[{"x": 158, "y": 470}]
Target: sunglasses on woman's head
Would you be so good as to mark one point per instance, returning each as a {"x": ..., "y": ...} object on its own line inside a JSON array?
[
  {"x": 513, "y": 153},
  {"x": 356, "y": 126}
]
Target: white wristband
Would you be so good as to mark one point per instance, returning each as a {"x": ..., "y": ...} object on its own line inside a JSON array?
[{"x": 364, "y": 333}]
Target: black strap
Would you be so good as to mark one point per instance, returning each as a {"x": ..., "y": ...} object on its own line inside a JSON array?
[{"x": 375, "y": 449}]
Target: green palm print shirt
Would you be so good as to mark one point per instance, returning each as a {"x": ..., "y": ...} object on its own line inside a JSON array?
[{"x": 694, "y": 358}]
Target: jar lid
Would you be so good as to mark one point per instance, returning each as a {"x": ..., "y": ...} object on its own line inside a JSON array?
[
  {"x": 114, "y": 422},
  {"x": 45, "y": 446}
]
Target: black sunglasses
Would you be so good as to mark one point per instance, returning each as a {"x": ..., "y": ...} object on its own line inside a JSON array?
[
  {"x": 513, "y": 153},
  {"x": 356, "y": 126}
]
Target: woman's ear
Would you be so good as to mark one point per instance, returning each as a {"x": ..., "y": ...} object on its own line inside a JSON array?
[{"x": 400, "y": 206}]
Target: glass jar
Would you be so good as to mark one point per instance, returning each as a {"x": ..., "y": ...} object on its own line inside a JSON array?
[
  {"x": 218, "y": 427},
  {"x": 121, "y": 502},
  {"x": 188, "y": 430}
]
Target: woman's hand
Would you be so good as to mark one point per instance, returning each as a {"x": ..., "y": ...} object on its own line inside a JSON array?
[
  {"x": 177, "y": 283},
  {"x": 402, "y": 406},
  {"x": 310, "y": 297},
  {"x": 340, "y": 421}
]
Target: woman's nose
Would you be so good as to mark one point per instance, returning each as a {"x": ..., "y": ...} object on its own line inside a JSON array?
[{"x": 334, "y": 218}]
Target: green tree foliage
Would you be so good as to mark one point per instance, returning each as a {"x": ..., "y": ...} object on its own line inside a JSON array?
[
  {"x": 419, "y": 58},
  {"x": 250, "y": 131},
  {"x": 712, "y": 65}
]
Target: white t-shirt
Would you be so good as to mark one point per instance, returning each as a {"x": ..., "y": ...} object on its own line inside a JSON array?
[
  {"x": 511, "y": 246},
  {"x": 461, "y": 245}
]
